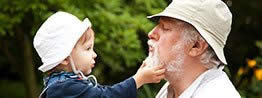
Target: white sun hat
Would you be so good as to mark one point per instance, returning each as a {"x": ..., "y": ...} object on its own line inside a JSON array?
[
  {"x": 56, "y": 38},
  {"x": 212, "y": 19}
]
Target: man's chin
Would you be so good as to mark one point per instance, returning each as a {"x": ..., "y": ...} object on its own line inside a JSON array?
[{"x": 173, "y": 75}]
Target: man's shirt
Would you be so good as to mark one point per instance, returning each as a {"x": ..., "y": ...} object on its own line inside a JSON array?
[{"x": 214, "y": 83}]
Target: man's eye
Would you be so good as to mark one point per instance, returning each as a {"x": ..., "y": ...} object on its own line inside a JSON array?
[{"x": 166, "y": 29}]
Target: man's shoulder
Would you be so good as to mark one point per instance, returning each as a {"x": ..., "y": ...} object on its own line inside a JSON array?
[{"x": 219, "y": 87}]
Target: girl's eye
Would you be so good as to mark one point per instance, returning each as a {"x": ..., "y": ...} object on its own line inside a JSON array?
[{"x": 88, "y": 48}]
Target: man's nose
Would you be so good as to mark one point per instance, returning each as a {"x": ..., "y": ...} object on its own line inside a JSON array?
[{"x": 153, "y": 34}]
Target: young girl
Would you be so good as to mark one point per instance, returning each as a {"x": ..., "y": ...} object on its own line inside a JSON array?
[{"x": 65, "y": 45}]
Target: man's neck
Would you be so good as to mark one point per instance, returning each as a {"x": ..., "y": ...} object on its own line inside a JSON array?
[{"x": 189, "y": 75}]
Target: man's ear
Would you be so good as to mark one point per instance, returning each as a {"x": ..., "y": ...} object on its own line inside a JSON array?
[
  {"x": 198, "y": 48},
  {"x": 65, "y": 61}
]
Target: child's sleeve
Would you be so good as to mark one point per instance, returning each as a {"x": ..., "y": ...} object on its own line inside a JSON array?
[
  {"x": 80, "y": 89},
  {"x": 125, "y": 89}
]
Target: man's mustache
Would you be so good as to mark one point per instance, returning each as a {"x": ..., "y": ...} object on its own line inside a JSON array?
[
  {"x": 152, "y": 46},
  {"x": 151, "y": 43}
]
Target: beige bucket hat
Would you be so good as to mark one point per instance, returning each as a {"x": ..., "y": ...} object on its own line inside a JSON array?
[
  {"x": 212, "y": 19},
  {"x": 56, "y": 38}
]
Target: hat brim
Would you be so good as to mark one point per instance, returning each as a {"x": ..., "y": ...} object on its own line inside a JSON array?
[{"x": 204, "y": 33}]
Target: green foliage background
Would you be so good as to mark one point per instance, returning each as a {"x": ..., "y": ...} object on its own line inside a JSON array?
[{"x": 121, "y": 30}]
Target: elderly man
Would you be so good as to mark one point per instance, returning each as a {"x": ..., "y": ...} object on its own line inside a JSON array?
[{"x": 189, "y": 40}]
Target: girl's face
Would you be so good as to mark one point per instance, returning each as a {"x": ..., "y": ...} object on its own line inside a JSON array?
[{"x": 83, "y": 54}]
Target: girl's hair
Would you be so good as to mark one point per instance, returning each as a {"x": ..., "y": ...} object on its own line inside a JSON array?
[{"x": 85, "y": 37}]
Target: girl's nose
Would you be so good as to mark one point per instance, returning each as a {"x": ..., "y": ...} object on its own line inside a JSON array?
[{"x": 94, "y": 54}]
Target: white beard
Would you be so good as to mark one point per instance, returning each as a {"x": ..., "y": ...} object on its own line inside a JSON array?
[
  {"x": 175, "y": 66},
  {"x": 152, "y": 59}
]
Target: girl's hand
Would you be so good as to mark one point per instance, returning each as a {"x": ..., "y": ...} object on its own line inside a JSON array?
[{"x": 146, "y": 74}]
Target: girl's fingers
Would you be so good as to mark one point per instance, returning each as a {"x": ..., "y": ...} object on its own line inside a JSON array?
[
  {"x": 157, "y": 81},
  {"x": 161, "y": 71},
  {"x": 143, "y": 64},
  {"x": 158, "y": 67},
  {"x": 159, "y": 78}
]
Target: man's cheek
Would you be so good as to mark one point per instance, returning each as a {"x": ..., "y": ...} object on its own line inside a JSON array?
[
  {"x": 163, "y": 52},
  {"x": 160, "y": 52}
]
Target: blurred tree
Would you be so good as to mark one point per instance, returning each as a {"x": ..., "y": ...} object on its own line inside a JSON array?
[
  {"x": 119, "y": 26},
  {"x": 241, "y": 50},
  {"x": 18, "y": 19},
  {"x": 246, "y": 30},
  {"x": 121, "y": 37}
]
